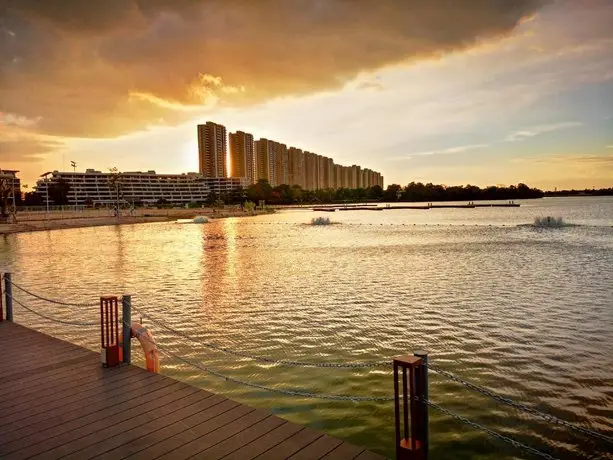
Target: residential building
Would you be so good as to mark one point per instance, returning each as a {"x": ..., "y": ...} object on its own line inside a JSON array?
[
  {"x": 356, "y": 176},
  {"x": 264, "y": 160},
  {"x": 281, "y": 169},
  {"x": 251, "y": 161},
  {"x": 95, "y": 188},
  {"x": 311, "y": 169},
  {"x": 338, "y": 173},
  {"x": 325, "y": 165},
  {"x": 296, "y": 167},
  {"x": 346, "y": 177},
  {"x": 212, "y": 150},
  {"x": 10, "y": 175},
  {"x": 221, "y": 186},
  {"x": 242, "y": 160}
]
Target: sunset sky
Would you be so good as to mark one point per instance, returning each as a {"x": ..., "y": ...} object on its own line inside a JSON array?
[{"x": 481, "y": 92}]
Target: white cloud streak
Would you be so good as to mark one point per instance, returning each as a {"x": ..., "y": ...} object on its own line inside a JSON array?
[
  {"x": 541, "y": 129},
  {"x": 447, "y": 151}
]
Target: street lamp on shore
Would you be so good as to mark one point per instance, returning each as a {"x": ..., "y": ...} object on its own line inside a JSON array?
[
  {"x": 45, "y": 179},
  {"x": 74, "y": 169}
]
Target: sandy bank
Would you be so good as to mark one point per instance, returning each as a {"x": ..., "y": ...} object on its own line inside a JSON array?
[{"x": 37, "y": 222}]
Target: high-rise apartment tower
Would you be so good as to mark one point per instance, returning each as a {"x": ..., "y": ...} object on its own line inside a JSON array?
[
  {"x": 212, "y": 150},
  {"x": 242, "y": 160}
]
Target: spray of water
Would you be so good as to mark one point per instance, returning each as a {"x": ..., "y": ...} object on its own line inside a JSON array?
[
  {"x": 321, "y": 221},
  {"x": 549, "y": 222}
]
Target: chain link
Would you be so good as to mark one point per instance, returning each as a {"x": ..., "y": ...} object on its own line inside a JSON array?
[
  {"x": 57, "y": 302},
  {"x": 491, "y": 433},
  {"x": 50, "y": 318},
  {"x": 263, "y": 359},
  {"x": 519, "y": 406},
  {"x": 302, "y": 394}
]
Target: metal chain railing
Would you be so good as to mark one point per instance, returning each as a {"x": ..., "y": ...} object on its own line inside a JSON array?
[
  {"x": 519, "y": 406},
  {"x": 355, "y": 365},
  {"x": 491, "y": 433},
  {"x": 302, "y": 394},
  {"x": 57, "y": 302},
  {"x": 263, "y": 359},
  {"x": 50, "y": 318}
]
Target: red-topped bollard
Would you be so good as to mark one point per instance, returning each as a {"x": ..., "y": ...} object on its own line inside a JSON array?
[
  {"x": 411, "y": 444},
  {"x": 109, "y": 331}
]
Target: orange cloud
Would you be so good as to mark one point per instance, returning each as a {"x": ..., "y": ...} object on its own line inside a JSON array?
[{"x": 100, "y": 69}]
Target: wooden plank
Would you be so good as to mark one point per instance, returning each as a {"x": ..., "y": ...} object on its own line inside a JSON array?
[
  {"x": 106, "y": 391},
  {"x": 15, "y": 335},
  {"x": 220, "y": 434},
  {"x": 264, "y": 442},
  {"x": 75, "y": 382},
  {"x": 76, "y": 372},
  {"x": 26, "y": 354},
  {"x": 291, "y": 445},
  {"x": 56, "y": 401},
  {"x": 130, "y": 396},
  {"x": 40, "y": 421},
  {"x": 40, "y": 360},
  {"x": 184, "y": 408},
  {"x": 12, "y": 333},
  {"x": 343, "y": 452},
  {"x": 246, "y": 436},
  {"x": 108, "y": 386},
  {"x": 212, "y": 419},
  {"x": 52, "y": 377},
  {"x": 317, "y": 449},
  {"x": 368, "y": 455},
  {"x": 70, "y": 442},
  {"x": 207, "y": 409},
  {"x": 105, "y": 436}
]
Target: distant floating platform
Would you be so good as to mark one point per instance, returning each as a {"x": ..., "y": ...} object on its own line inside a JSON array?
[{"x": 369, "y": 207}]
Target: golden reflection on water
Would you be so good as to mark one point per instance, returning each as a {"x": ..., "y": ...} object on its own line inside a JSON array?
[{"x": 524, "y": 312}]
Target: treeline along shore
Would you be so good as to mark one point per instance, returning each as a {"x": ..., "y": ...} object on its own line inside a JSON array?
[{"x": 413, "y": 192}]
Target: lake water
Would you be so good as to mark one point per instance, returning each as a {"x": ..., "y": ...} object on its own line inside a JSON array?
[{"x": 526, "y": 312}]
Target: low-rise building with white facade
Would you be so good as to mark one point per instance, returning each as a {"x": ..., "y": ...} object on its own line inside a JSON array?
[{"x": 96, "y": 188}]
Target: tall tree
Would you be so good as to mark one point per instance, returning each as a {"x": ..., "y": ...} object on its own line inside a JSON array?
[{"x": 58, "y": 191}]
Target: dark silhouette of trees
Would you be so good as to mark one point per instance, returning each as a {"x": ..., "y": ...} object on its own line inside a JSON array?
[
  {"x": 58, "y": 191},
  {"x": 260, "y": 191},
  {"x": 586, "y": 192},
  {"x": 414, "y": 191},
  {"x": 417, "y": 191},
  {"x": 33, "y": 199}
]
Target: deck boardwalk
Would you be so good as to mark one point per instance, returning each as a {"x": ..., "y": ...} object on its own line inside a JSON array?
[{"x": 56, "y": 401}]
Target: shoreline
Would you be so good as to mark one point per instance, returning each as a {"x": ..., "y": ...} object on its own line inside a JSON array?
[{"x": 76, "y": 221}]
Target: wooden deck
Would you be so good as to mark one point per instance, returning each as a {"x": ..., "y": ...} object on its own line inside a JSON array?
[{"x": 56, "y": 401}]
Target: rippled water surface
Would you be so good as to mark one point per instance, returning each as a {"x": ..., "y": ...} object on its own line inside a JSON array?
[{"x": 526, "y": 312}]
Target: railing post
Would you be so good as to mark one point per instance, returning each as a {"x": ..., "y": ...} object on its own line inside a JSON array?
[
  {"x": 409, "y": 444},
  {"x": 109, "y": 331},
  {"x": 126, "y": 304},
  {"x": 421, "y": 388},
  {"x": 8, "y": 293},
  {"x": 1, "y": 301}
]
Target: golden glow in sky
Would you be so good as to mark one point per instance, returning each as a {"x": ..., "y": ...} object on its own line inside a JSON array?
[{"x": 501, "y": 95}]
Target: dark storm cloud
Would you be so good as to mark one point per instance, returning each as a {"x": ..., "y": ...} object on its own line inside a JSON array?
[{"x": 102, "y": 68}]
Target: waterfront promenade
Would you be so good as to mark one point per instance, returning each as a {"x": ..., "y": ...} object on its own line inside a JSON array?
[
  {"x": 56, "y": 220},
  {"x": 56, "y": 401}
]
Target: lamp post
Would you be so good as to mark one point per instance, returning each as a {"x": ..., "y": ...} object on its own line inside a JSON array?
[
  {"x": 45, "y": 179},
  {"x": 74, "y": 170}
]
